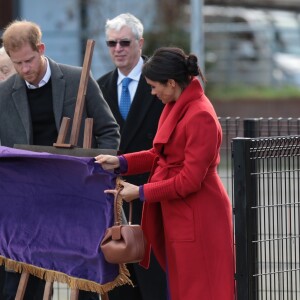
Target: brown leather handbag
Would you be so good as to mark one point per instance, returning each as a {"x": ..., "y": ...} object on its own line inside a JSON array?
[{"x": 123, "y": 243}]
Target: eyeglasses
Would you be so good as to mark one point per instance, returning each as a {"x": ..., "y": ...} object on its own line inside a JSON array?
[{"x": 122, "y": 43}]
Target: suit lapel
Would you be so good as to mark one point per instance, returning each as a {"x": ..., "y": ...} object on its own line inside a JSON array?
[
  {"x": 58, "y": 91},
  {"x": 111, "y": 96},
  {"x": 19, "y": 96},
  {"x": 140, "y": 105}
]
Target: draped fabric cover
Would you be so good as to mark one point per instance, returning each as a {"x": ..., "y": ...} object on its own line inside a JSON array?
[{"x": 53, "y": 215}]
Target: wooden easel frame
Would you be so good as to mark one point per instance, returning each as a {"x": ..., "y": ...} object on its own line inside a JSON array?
[{"x": 61, "y": 147}]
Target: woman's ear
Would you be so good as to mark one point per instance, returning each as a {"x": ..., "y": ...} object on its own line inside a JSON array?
[{"x": 172, "y": 82}]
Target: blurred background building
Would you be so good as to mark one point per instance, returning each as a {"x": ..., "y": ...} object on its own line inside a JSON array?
[{"x": 253, "y": 42}]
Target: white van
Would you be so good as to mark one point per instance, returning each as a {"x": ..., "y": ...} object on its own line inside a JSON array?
[{"x": 251, "y": 46}]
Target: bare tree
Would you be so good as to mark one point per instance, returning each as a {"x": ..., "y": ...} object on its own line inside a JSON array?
[{"x": 171, "y": 26}]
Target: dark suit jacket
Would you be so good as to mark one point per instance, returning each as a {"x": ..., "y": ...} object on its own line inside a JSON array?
[
  {"x": 137, "y": 134},
  {"x": 15, "y": 120},
  {"x": 139, "y": 129}
]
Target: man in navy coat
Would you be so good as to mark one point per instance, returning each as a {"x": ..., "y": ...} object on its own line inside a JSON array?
[{"x": 124, "y": 38}]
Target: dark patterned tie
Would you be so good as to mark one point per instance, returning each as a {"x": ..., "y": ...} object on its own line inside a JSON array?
[{"x": 125, "y": 98}]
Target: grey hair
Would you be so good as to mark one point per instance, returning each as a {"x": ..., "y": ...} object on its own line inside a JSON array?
[{"x": 128, "y": 20}]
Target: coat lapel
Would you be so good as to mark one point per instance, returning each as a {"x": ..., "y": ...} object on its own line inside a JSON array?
[
  {"x": 58, "y": 91},
  {"x": 173, "y": 112},
  {"x": 19, "y": 96},
  {"x": 112, "y": 96}
]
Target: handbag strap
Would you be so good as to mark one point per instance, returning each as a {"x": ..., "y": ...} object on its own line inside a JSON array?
[{"x": 117, "y": 195}]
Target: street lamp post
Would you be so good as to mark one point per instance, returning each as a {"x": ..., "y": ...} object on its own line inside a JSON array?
[{"x": 197, "y": 31}]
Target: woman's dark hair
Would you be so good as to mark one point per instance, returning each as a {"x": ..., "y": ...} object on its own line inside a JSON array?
[{"x": 172, "y": 63}]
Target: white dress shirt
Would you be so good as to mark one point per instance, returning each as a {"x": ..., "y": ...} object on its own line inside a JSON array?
[{"x": 135, "y": 75}]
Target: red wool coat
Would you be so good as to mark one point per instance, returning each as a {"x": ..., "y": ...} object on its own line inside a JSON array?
[{"x": 187, "y": 215}]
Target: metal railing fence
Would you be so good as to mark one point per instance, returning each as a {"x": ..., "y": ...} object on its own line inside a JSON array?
[
  {"x": 267, "y": 227},
  {"x": 250, "y": 127}
]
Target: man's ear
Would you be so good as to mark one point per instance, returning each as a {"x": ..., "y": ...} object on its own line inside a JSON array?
[
  {"x": 141, "y": 43},
  {"x": 41, "y": 48}
]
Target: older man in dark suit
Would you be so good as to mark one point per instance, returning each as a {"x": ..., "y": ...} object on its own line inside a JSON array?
[
  {"x": 138, "y": 125},
  {"x": 32, "y": 105}
]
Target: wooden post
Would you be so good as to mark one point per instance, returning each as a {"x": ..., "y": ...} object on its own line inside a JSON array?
[
  {"x": 88, "y": 130},
  {"x": 22, "y": 286},
  {"x": 48, "y": 290},
  {"x": 79, "y": 102},
  {"x": 74, "y": 294},
  {"x": 104, "y": 296},
  {"x": 81, "y": 92}
]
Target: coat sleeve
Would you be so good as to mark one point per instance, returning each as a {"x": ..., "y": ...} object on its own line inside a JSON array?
[
  {"x": 201, "y": 152},
  {"x": 140, "y": 162}
]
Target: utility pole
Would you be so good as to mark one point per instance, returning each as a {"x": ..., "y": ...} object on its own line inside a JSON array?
[{"x": 197, "y": 31}]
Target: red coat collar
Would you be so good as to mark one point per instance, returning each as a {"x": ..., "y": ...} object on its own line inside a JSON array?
[{"x": 174, "y": 111}]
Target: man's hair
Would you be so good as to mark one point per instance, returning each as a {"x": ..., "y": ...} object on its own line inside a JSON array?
[
  {"x": 18, "y": 33},
  {"x": 128, "y": 20}
]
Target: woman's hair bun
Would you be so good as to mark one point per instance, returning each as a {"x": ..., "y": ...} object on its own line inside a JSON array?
[{"x": 192, "y": 65}]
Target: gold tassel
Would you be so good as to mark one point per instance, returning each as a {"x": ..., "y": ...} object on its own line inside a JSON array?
[{"x": 72, "y": 282}]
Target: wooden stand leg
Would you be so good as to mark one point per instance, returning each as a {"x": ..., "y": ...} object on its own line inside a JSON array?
[
  {"x": 74, "y": 294},
  {"x": 22, "y": 286},
  {"x": 88, "y": 130},
  {"x": 104, "y": 296},
  {"x": 48, "y": 290}
]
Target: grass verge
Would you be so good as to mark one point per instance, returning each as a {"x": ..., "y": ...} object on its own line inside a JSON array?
[{"x": 239, "y": 92}]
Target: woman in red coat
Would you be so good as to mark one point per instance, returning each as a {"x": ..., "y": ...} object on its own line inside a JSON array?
[{"x": 187, "y": 216}]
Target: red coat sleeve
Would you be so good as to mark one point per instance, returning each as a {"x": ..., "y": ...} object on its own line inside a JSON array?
[
  {"x": 140, "y": 162},
  {"x": 201, "y": 153}
]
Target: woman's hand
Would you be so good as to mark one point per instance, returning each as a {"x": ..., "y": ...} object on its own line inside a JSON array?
[
  {"x": 128, "y": 193},
  {"x": 108, "y": 162}
]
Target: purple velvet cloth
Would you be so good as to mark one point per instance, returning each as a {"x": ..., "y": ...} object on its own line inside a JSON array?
[{"x": 54, "y": 213}]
